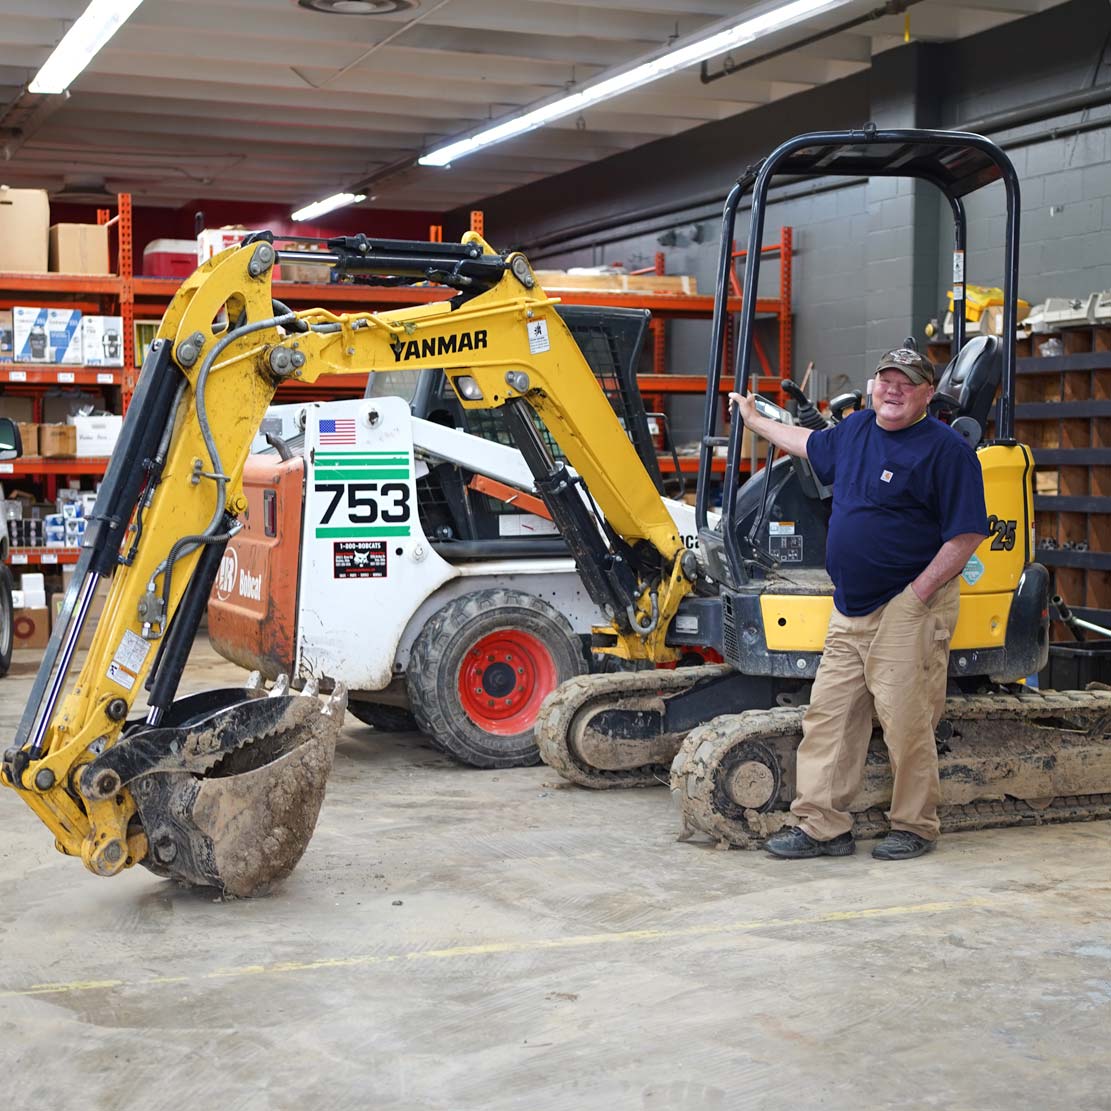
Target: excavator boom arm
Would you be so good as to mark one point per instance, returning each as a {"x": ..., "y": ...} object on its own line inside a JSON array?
[{"x": 170, "y": 500}]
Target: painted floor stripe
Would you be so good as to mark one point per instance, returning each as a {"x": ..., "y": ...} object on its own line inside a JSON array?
[{"x": 494, "y": 948}]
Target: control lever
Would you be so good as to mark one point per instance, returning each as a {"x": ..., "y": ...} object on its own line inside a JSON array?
[
  {"x": 807, "y": 415},
  {"x": 854, "y": 400}
]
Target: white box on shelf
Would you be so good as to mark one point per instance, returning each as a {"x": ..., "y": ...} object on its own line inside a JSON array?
[
  {"x": 211, "y": 241},
  {"x": 29, "y": 339},
  {"x": 102, "y": 340},
  {"x": 96, "y": 436},
  {"x": 32, "y": 582},
  {"x": 18, "y": 602}
]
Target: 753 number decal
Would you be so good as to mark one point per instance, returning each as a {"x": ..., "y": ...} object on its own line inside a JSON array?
[
  {"x": 1002, "y": 533},
  {"x": 367, "y": 502}
]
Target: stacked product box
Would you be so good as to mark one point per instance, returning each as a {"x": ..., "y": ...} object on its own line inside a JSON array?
[
  {"x": 102, "y": 340},
  {"x": 31, "y": 619},
  {"x": 46, "y": 335}
]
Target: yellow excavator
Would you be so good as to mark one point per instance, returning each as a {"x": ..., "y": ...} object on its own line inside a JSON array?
[{"x": 223, "y": 788}]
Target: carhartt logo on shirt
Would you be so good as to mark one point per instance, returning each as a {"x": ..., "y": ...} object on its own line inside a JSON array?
[{"x": 886, "y": 476}]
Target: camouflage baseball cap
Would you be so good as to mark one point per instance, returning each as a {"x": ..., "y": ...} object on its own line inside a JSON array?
[{"x": 914, "y": 365}]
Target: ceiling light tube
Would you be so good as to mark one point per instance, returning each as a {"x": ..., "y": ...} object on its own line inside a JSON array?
[
  {"x": 80, "y": 44},
  {"x": 775, "y": 18},
  {"x": 328, "y": 204}
]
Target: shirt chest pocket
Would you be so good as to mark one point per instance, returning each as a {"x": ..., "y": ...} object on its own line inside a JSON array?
[{"x": 887, "y": 485}]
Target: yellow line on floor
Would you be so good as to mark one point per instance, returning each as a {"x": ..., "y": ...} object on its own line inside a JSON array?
[{"x": 531, "y": 945}]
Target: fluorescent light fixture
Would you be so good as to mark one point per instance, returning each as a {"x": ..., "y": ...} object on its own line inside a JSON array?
[
  {"x": 93, "y": 28},
  {"x": 774, "y": 18},
  {"x": 329, "y": 204}
]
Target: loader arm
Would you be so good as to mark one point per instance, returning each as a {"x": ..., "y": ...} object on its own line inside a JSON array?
[{"x": 196, "y": 788}]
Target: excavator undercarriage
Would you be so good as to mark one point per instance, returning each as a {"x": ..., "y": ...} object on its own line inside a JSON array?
[{"x": 1023, "y": 758}]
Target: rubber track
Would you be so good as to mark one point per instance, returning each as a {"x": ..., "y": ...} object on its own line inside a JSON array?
[
  {"x": 560, "y": 709},
  {"x": 694, "y": 768}
]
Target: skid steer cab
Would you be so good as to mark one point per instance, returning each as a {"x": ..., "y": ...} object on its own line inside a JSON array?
[{"x": 11, "y": 447}]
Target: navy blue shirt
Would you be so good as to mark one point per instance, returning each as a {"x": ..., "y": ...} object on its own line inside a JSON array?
[{"x": 897, "y": 497}]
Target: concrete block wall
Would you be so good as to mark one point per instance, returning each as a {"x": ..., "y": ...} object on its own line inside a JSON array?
[{"x": 1065, "y": 221}]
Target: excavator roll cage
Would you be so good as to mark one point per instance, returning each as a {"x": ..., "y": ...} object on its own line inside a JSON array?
[{"x": 957, "y": 163}]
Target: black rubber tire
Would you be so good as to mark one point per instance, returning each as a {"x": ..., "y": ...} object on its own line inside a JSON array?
[
  {"x": 387, "y": 719},
  {"x": 7, "y": 620},
  {"x": 438, "y": 656}
]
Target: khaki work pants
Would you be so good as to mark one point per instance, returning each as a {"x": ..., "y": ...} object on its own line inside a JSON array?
[{"x": 893, "y": 663}]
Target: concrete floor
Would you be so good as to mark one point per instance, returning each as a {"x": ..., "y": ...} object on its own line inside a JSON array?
[{"x": 462, "y": 939}]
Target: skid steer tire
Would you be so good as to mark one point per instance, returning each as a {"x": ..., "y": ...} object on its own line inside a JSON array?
[
  {"x": 386, "y": 719},
  {"x": 7, "y": 620},
  {"x": 481, "y": 667}
]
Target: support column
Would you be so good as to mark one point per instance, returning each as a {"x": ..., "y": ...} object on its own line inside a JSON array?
[{"x": 903, "y": 246}]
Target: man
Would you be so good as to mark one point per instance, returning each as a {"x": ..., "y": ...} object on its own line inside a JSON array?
[{"x": 908, "y": 512}]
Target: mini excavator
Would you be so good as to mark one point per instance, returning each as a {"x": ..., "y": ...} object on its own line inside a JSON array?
[
  {"x": 223, "y": 788},
  {"x": 1007, "y": 754}
]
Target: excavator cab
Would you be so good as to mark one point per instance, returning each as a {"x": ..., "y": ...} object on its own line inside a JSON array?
[{"x": 773, "y": 576}]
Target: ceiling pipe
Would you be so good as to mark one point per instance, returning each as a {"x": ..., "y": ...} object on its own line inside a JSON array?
[{"x": 892, "y": 7}]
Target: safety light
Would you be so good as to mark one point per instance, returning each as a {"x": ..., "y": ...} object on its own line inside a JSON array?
[{"x": 468, "y": 388}]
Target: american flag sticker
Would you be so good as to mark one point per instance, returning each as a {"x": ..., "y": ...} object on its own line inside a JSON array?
[{"x": 341, "y": 431}]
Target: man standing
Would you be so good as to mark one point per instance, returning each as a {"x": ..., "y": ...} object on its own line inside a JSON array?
[{"x": 908, "y": 512}]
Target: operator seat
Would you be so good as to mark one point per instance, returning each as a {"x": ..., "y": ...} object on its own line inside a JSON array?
[{"x": 966, "y": 391}]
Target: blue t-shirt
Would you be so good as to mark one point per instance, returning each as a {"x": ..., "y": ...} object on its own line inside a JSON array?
[{"x": 897, "y": 497}]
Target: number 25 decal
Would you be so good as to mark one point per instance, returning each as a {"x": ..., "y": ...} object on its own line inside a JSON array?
[
  {"x": 1002, "y": 534},
  {"x": 362, "y": 501}
]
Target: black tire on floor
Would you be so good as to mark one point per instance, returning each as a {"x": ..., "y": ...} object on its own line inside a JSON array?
[
  {"x": 379, "y": 715},
  {"x": 7, "y": 619},
  {"x": 479, "y": 670}
]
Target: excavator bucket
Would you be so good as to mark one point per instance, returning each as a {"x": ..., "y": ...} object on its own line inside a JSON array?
[{"x": 229, "y": 785}]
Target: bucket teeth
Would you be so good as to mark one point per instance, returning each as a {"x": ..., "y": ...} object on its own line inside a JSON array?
[
  {"x": 336, "y": 704},
  {"x": 254, "y": 681},
  {"x": 239, "y": 814},
  {"x": 311, "y": 688}
]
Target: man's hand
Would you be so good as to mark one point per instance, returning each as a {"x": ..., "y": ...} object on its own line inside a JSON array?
[
  {"x": 947, "y": 564},
  {"x": 790, "y": 437},
  {"x": 745, "y": 406}
]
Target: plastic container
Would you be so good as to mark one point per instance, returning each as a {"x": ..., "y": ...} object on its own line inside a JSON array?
[
  {"x": 170, "y": 258},
  {"x": 1074, "y": 664}
]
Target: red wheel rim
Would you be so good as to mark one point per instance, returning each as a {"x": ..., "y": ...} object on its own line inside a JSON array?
[{"x": 503, "y": 679}]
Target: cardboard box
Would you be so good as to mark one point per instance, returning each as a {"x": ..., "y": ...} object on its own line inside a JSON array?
[
  {"x": 31, "y": 627},
  {"x": 19, "y": 409},
  {"x": 63, "y": 334},
  {"x": 57, "y": 440},
  {"x": 29, "y": 434},
  {"x": 102, "y": 340},
  {"x": 31, "y": 343},
  {"x": 24, "y": 219},
  {"x": 145, "y": 333},
  {"x": 96, "y": 436},
  {"x": 79, "y": 249},
  {"x": 170, "y": 258},
  {"x": 7, "y": 339}
]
